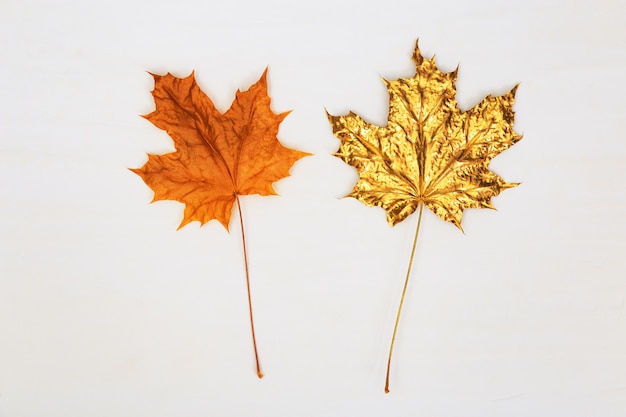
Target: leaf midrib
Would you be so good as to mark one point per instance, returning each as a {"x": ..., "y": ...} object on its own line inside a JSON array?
[{"x": 193, "y": 117}]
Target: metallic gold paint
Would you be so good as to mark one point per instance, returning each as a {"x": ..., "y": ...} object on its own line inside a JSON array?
[{"x": 430, "y": 151}]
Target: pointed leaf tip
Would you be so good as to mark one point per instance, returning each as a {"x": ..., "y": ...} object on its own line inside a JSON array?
[{"x": 417, "y": 56}]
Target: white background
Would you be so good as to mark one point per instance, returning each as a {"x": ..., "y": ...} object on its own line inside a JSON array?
[{"x": 106, "y": 310}]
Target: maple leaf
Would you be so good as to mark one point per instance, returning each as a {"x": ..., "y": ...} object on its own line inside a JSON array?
[
  {"x": 430, "y": 153},
  {"x": 218, "y": 156}
]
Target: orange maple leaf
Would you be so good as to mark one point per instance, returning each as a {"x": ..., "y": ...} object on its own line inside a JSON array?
[{"x": 218, "y": 156}]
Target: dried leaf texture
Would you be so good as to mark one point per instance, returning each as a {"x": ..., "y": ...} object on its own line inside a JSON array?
[
  {"x": 430, "y": 152},
  {"x": 218, "y": 156}
]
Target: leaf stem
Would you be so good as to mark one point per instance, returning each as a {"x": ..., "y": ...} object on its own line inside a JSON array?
[
  {"x": 406, "y": 283},
  {"x": 245, "y": 260}
]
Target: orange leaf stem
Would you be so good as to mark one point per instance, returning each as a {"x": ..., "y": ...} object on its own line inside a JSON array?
[{"x": 245, "y": 261}]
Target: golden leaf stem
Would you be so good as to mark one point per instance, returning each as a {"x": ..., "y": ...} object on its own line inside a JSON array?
[
  {"x": 406, "y": 283},
  {"x": 245, "y": 261}
]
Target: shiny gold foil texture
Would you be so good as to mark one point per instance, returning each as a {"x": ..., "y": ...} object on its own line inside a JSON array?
[{"x": 430, "y": 152}]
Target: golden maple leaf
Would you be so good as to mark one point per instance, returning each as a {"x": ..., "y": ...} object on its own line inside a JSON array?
[
  {"x": 430, "y": 153},
  {"x": 218, "y": 156}
]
